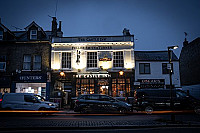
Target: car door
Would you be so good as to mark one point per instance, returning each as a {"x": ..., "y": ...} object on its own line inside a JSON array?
[
  {"x": 30, "y": 103},
  {"x": 92, "y": 103}
]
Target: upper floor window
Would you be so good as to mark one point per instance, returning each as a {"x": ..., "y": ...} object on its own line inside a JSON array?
[
  {"x": 27, "y": 62},
  {"x": 144, "y": 68},
  {"x": 33, "y": 34},
  {"x": 66, "y": 60},
  {"x": 164, "y": 68},
  {"x": 2, "y": 63},
  {"x": 1, "y": 35},
  {"x": 118, "y": 59},
  {"x": 91, "y": 59},
  {"x": 37, "y": 62}
]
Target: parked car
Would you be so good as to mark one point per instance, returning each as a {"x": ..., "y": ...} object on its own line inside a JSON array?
[
  {"x": 100, "y": 103},
  {"x": 26, "y": 101},
  {"x": 159, "y": 99}
]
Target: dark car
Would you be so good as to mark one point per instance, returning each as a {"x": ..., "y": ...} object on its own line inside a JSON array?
[
  {"x": 159, "y": 99},
  {"x": 100, "y": 103}
]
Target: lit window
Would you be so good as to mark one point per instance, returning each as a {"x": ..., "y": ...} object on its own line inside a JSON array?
[
  {"x": 91, "y": 59},
  {"x": 1, "y": 35},
  {"x": 118, "y": 59},
  {"x": 33, "y": 34},
  {"x": 27, "y": 62},
  {"x": 144, "y": 68},
  {"x": 66, "y": 60},
  {"x": 37, "y": 62}
]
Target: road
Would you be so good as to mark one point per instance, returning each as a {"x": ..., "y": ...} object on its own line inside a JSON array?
[{"x": 73, "y": 121}]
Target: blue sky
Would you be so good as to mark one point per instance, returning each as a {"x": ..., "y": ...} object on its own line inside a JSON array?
[{"x": 156, "y": 24}]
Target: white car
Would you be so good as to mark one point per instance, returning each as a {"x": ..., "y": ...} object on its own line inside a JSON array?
[{"x": 26, "y": 101}]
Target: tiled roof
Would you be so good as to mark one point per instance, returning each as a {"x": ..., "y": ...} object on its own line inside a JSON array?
[{"x": 153, "y": 56}]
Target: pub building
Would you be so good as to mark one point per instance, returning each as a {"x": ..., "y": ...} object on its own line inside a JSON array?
[{"x": 93, "y": 65}]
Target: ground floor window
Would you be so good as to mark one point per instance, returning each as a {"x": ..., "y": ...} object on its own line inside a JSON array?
[
  {"x": 84, "y": 86},
  {"x": 36, "y": 88},
  {"x": 120, "y": 87}
]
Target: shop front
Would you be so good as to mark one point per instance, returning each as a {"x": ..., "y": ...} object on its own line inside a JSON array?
[
  {"x": 32, "y": 83},
  {"x": 109, "y": 84}
]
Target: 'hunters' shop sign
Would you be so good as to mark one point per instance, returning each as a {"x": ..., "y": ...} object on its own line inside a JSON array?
[{"x": 32, "y": 78}]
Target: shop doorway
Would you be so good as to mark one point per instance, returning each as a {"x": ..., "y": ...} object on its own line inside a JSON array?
[{"x": 103, "y": 86}]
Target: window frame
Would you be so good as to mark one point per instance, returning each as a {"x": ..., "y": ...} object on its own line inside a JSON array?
[
  {"x": 31, "y": 34},
  {"x": 166, "y": 71},
  {"x": 118, "y": 59},
  {"x": 92, "y": 60},
  {"x": 66, "y": 60},
  {"x": 26, "y": 62},
  {"x": 1, "y": 35},
  {"x": 34, "y": 61},
  {"x": 144, "y": 68}
]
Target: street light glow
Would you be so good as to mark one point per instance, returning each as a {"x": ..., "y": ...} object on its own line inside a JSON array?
[{"x": 172, "y": 47}]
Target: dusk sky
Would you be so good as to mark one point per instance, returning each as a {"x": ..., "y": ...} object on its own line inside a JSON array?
[{"x": 156, "y": 24}]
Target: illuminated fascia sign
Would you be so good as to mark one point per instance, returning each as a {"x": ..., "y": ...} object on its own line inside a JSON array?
[
  {"x": 92, "y": 39},
  {"x": 93, "y": 76}
]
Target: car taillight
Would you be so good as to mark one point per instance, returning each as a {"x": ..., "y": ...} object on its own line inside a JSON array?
[
  {"x": 76, "y": 102},
  {"x": 0, "y": 100}
]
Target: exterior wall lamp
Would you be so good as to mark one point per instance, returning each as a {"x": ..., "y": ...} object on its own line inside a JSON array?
[
  {"x": 121, "y": 73},
  {"x": 62, "y": 74}
]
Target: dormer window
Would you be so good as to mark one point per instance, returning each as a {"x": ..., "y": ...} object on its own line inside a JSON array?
[
  {"x": 33, "y": 34},
  {"x": 1, "y": 35}
]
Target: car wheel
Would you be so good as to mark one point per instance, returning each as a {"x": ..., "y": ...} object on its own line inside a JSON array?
[
  {"x": 148, "y": 109},
  {"x": 83, "y": 111},
  {"x": 197, "y": 110},
  {"x": 122, "y": 111}
]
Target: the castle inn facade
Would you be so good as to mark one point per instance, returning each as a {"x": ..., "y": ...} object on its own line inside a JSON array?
[{"x": 93, "y": 64}]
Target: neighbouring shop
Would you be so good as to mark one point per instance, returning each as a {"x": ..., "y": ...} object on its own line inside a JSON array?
[
  {"x": 151, "y": 83},
  {"x": 32, "y": 83}
]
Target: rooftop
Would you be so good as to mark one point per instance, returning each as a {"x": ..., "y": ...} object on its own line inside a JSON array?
[{"x": 154, "y": 56}]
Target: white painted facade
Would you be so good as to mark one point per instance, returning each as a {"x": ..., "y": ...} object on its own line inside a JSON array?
[
  {"x": 156, "y": 72},
  {"x": 82, "y": 46}
]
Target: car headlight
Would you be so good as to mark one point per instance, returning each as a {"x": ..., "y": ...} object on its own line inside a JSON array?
[{"x": 50, "y": 104}]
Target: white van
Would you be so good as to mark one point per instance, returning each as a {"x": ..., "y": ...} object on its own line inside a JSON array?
[{"x": 26, "y": 101}]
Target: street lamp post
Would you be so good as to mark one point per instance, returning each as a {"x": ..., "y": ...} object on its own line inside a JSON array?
[{"x": 170, "y": 80}]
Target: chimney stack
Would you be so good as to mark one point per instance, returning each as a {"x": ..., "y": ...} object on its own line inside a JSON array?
[
  {"x": 126, "y": 32},
  {"x": 59, "y": 29},
  {"x": 54, "y": 27}
]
